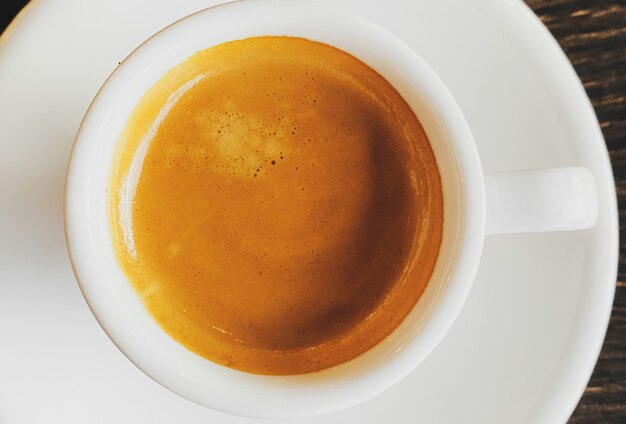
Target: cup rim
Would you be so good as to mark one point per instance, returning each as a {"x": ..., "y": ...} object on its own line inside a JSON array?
[{"x": 80, "y": 241}]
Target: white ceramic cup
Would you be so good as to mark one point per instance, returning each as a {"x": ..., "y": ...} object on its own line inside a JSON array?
[{"x": 474, "y": 205}]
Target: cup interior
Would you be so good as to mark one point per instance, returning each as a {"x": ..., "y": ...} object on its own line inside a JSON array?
[{"x": 122, "y": 314}]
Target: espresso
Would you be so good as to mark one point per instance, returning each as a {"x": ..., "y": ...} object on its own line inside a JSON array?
[{"x": 276, "y": 205}]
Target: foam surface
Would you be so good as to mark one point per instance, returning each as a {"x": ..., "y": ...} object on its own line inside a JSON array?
[{"x": 283, "y": 203}]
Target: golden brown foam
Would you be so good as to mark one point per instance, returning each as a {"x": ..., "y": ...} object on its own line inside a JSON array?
[{"x": 286, "y": 210}]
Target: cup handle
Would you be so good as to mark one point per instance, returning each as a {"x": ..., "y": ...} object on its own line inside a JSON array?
[{"x": 531, "y": 201}]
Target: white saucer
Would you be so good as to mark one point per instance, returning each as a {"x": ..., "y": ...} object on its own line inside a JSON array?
[{"x": 524, "y": 345}]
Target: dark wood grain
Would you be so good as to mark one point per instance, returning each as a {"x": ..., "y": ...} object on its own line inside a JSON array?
[{"x": 593, "y": 35}]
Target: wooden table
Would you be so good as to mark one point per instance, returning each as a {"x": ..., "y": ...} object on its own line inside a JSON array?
[{"x": 593, "y": 35}]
